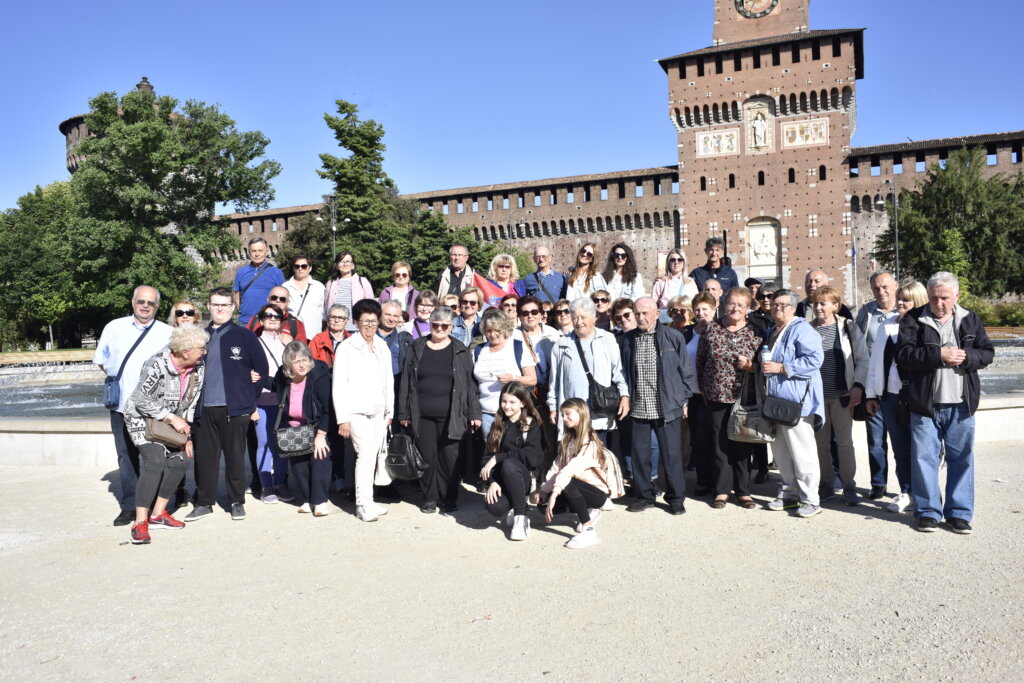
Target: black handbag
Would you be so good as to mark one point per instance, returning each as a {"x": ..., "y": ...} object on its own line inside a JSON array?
[
  {"x": 747, "y": 423},
  {"x": 604, "y": 401},
  {"x": 293, "y": 442},
  {"x": 782, "y": 411},
  {"x": 404, "y": 460}
]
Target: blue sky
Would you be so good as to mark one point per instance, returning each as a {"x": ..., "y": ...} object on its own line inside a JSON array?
[{"x": 470, "y": 93}]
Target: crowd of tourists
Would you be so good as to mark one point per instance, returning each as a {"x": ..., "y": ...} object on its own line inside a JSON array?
[{"x": 560, "y": 390}]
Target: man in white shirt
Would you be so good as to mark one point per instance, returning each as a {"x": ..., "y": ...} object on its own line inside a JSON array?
[
  {"x": 306, "y": 300},
  {"x": 117, "y": 353}
]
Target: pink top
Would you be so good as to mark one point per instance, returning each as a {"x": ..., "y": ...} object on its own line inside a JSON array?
[
  {"x": 182, "y": 376},
  {"x": 295, "y": 416}
]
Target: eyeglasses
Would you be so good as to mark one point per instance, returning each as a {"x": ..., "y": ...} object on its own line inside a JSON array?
[
  {"x": 781, "y": 306},
  {"x": 301, "y": 266},
  {"x": 532, "y": 311},
  {"x": 401, "y": 275},
  {"x": 213, "y": 305},
  {"x": 182, "y": 313},
  {"x": 368, "y": 322},
  {"x": 469, "y": 302},
  {"x": 510, "y": 306},
  {"x": 601, "y": 300},
  {"x": 346, "y": 262},
  {"x": 337, "y": 318},
  {"x": 587, "y": 253},
  {"x": 272, "y": 316},
  {"x": 301, "y": 360},
  {"x": 504, "y": 265},
  {"x": 676, "y": 311},
  {"x": 145, "y": 302},
  {"x": 458, "y": 254},
  {"x": 676, "y": 259},
  {"x": 561, "y": 311},
  {"x": 620, "y": 255},
  {"x": 282, "y": 299},
  {"x": 440, "y": 326},
  {"x": 625, "y": 315}
]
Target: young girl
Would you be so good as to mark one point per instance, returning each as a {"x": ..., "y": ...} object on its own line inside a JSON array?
[
  {"x": 515, "y": 447},
  {"x": 578, "y": 473}
]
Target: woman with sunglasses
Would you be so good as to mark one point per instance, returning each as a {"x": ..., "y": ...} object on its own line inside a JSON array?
[
  {"x": 504, "y": 273},
  {"x": 681, "y": 312},
  {"x": 346, "y": 287},
  {"x": 584, "y": 278},
  {"x": 602, "y": 299},
  {"x": 620, "y": 275},
  {"x": 467, "y": 323},
  {"x": 306, "y": 296},
  {"x": 419, "y": 324},
  {"x": 401, "y": 289},
  {"x": 184, "y": 312},
  {"x": 271, "y": 465},
  {"x": 559, "y": 317},
  {"x": 675, "y": 282},
  {"x": 510, "y": 307},
  {"x": 437, "y": 399}
]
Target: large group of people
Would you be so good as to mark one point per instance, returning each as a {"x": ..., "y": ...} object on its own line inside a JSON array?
[{"x": 561, "y": 390}]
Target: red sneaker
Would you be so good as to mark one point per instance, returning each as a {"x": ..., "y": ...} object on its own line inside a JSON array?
[
  {"x": 165, "y": 521},
  {"x": 140, "y": 533}
]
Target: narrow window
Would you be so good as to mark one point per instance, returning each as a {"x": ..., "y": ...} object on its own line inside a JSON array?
[
  {"x": 570, "y": 197},
  {"x": 776, "y": 56},
  {"x": 897, "y": 164},
  {"x": 657, "y": 186},
  {"x": 521, "y": 200},
  {"x": 792, "y": 175},
  {"x": 703, "y": 184},
  {"x": 757, "y": 58},
  {"x": 586, "y": 193},
  {"x": 760, "y": 177},
  {"x": 737, "y": 62},
  {"x": 876, "y": 167},
  {"x": 675, "y": 187},
  {"x": 920, "y": 165},
  {"x": 837, "y": 47},
  {"x": 554, "y": 196},
  {"x": 444, "y": 209},
  {"x": 622, "y": 190},
  {"x": 822, "y": 172},
  {"x": 639, "y": 189},
  {"x": 796, "y": 53},
  {"x": 536, "y": 199},
  {"x": 604, "y": 193},
  {"x": 732, "y": 181},
  {"x": 700, "y": 66},
  {"x": 490, "y": 204},
  {"x": 1015, "y": 154},
  {"x": 476, "y": 205},
  {"x": 682, "y": 69},
  {"x": 854, "y": 170},
  {"x": 504, "y": 202},
  {"x": 816, "y": 50},
  {"x": 855, "y": 204},
  {"x": 991, "y": 158},
  {"x": 718, "y": 63}
]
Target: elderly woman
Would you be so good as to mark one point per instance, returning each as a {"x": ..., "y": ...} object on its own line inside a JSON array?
[
  {"x": 510, "y": 307},
  {"x": 346, "y": 287},
  {"x": 401, "y": 289},
  {"x": 697, "y": 417},
  {"x": 269, "y": 464},
  {"x": 504, "y": 273},
  {"x": 675, "y": 282},
  {"x": 500, "y": 361},
  {"x": 793, "y": 373},
  {"x": 467, "y": 322},
  {"x": 438, "y": 400},
  {"x": 600, "y": 354},
  {"x": 326, "y": 343},
  {"x": 560, "y": 318},
  {"x": 602, "y": 299},
  {"x": 725, "y": 354},
  {"x": 364, "y": 399},
  {"x": 184, "y": 312},
  {"x": 680, "y": 309},
  {"x": 168, "y": 392},
  {"x": 621, "y": 278},
  {"x": 844, "y": 371},
  {"x": 419, "y": 322},
  {"x": 303, "y": 389},
  {"x": 883, "y": 388},
  {"x": 584, "y": 278}
]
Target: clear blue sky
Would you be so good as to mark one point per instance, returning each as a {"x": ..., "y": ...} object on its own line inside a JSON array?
[{"x": 470, "y": 93}]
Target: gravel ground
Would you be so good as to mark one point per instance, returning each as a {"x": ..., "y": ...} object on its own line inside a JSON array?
[{"x": 853, "y": 594}]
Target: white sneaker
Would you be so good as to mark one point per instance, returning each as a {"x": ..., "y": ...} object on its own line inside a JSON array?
[
  {"x": 608, "y": 504},
  {"x": 595, "y": 514},
  {"x": 900, "y": 503},
  {"x": 510, "y": 518},
  {"x": 321, "y": 510},
  {"x": 305, "y": 509},
  {"x": 520, "y": 528},
  {"x": 268, "y": 496},
  {"x": 584, "y": 539},
  {"x": 379, "y": 510},
  {"x": 366, "y": 514}
]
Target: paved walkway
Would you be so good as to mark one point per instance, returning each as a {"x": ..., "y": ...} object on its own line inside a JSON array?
[{"x": 854, "y": 593}]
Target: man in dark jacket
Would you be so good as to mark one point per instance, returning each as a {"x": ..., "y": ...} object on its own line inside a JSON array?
[
  {"x": 715, "y": 267},
  {"x": 940, "y": 349},
  {"x": 661, "y": 382},
  {"x": 227, "y": 402}
]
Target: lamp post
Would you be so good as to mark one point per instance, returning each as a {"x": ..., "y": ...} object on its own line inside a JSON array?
[{"x": 880, "y": 205}]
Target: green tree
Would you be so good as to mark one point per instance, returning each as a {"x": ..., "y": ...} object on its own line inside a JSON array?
[
  {"x": 431, "y": 238},
  {"x": 152, "y": 176},
  {"x": 958, "y": 221}
]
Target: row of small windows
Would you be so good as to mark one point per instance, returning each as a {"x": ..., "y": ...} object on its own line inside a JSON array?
[
  {"x": 624, "y": 190},
  {"x": 251, "y": 227},
  {"x": 572, "y": 226},
  {"x": 867, "y": 203},
  {"x": 761, "y": 177},
  {"x": 699, "y": 65},
  {"x": 784, "y": 105},
  {"x": 919, "y": 160}
]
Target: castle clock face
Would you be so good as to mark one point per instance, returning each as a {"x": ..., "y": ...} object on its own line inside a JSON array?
[{"x": 755, "y": 9}]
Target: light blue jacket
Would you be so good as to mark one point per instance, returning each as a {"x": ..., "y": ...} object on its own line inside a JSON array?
[
  {"x": 798, "y": 348},
  {"x": 566, "y": 378}
]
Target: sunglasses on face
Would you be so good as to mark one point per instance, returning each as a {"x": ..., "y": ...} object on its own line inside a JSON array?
[
  {"x": 469, "y": 302},
  {"x": 561, "y": 311},
  {"x": 504, "y": 265},
  {"x": 277, "y": 298},
  {"x": 440, "y": 326},
  {"x": 301, "y": 266},
  {"x": 532, "y": 311},
  {"x": 401, "y": 275},
  {"x": 601, "y": 300},
  {"x": 588, "y": 254},
  {"x": 271, "y": 316},
  {"x": 675, "y": 259},
  {"x": 619, "y": 256},
  {"x": 625, "y": 315},
  {"x": 145, "y": 302},
  {"x": 509, "y": 307},
  {"x": 181, "y": 314},
  {"x": 676, "y": 311}
]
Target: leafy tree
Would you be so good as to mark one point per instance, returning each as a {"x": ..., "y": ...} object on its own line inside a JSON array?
[
  {"x": 431, "y": 238},
  {"x": 958, "y": 221},
  {"x": 149, "y": 183}
]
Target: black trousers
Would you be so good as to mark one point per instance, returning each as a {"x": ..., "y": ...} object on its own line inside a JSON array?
[
  {"x": 670, "y": 449},
  {"x": 731, "y": 458},
  {"x": 218, "y": 432},
  {"x": 701, "y": 442},
  {"x": 515, "y": 481},
  {"x": 441, "y": 480},
  {"x": 310, "y": 479},
  {"x": 621, "y": 444},
  {"x": 582, "y": 497},
  {"x": 160, "y": 473}
]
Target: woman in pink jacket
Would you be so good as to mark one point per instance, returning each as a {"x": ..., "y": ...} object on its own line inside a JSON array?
[
  {"x": 346, "y": 287},
  {"x": 675, "y": 282}
]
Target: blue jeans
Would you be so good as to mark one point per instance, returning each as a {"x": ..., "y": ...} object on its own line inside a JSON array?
[
  {"x": 877, "y": 427},
  {"x": 127, "y": 461},
  {"x": 272, "y": 467},
  {"x": 953, "y": 427},
  {"x": 899, "y": 435}
]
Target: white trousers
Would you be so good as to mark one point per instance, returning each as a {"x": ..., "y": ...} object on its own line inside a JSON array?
[
  {"x": 796, "y": 456},
  {"x": 367, "y": 435}
]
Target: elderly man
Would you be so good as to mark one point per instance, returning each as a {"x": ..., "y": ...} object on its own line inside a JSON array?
[
  {"x": 812, "y": 281},
  {"x": 458, "y": 275},
  {"x": 661, "y": 381},
  {"x": 124, "y": 345},
  {"x": 254, "y": 280},
  {"x": 715, "y": 267},
  {"x": 545, "y": 283},
  {"x": 870, "y": 318},
  {"x": 291, "y": 326},
  {"x": 940, "y": 349}
]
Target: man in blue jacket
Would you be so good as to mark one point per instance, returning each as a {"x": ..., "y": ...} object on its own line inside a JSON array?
[
  {"x": 715, "y": 266},
  {"x": 940, "y": 349},
  {"x": 661, "y": 382},
  {"x": 227, "y": 402}
]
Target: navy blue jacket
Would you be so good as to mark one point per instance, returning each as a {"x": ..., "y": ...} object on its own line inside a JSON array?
[
  {"x": 240, "y": 354},
  {"x": 724, "y": 274},
  {"x": 676, "y": 381}
]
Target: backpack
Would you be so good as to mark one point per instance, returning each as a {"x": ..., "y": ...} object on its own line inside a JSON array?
[{"x": 613, "y": 474}]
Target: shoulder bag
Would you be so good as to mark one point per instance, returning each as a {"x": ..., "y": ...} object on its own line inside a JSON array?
[
  {"x": 112, "y": 385},
  {"x": 158, "y": 431},
  {"x": 604, "y": 401},
  {"x": 292, "y": 442},
  {"x": 747, "y": 423},
  {"x": 782, "y": 411},
  {"x": 404, "y": 460}
]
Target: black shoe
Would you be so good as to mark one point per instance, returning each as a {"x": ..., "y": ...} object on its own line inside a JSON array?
[
  {"x": 237, "y": 511},
  {"x": 825, "y": 495},
  {"x": 677, "y": 508},
  {"x": 640, "y": 505},
  {"x": 448, "y": 508},
  {"x": 428, "y": 507},
  {"x": 761, "y": 477},
  {"x": 876, "y": 492},
  {"x": 481, "y": 487},
  {"x": 958, "y": 526},
  {"x": 198, "y": 512},
  {"x": 125, "y": 518},
  {"x": 927, "y": 524},
  {"x": 387, "y": 494}
]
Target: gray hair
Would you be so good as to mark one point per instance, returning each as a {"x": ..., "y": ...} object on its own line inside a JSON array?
[
  {"x": 391, "y": 303},
  {"x": 793, "y": 298},
  {"x": 879, "y": 273},
  {"x": 500, "y": 322},
  {"x": 188, "y": 336},
  {"x": 583, "y": 305},
  {"x": 442, "y": 314},
  {"x": 339, "y": 308},
  {"x": 293, "y": 351},
  {"x": 257, "y": 240},
  {"x": 943, "y": 279},
  {"x": 135, "y": 293}
]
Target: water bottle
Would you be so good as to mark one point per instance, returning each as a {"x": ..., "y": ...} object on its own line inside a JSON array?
[{"x": 766, "y": 354}]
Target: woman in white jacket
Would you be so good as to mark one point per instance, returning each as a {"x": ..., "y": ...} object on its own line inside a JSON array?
[{"x": 364, "y": 399}]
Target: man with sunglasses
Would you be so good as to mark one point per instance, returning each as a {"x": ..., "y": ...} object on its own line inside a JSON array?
[
  {"x": 545, "y": 283},
  {"x": 124, "y": 346},
  {"x": 306, "y": 296},
  {"x": 291, "y": 325},
  {"x": 254, "y": 280}
]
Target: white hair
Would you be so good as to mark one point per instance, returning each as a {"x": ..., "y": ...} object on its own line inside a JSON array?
[
  {"x": 943, "y": 279},
  {"x": 583, "y": 305}
]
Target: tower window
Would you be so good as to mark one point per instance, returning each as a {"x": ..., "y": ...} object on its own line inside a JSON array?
[
  {"x": 703, "y": 184},
  {"x": 776, "y": 56},
  {"x": 792, "y": 175},
  {"x": 757, "y": 58},
  {"x": 760, "y": 177},
  {"x": 796, "y": 53},
  {"x": 822, "y": 172},
  {"x": 732, "y": 181}
]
